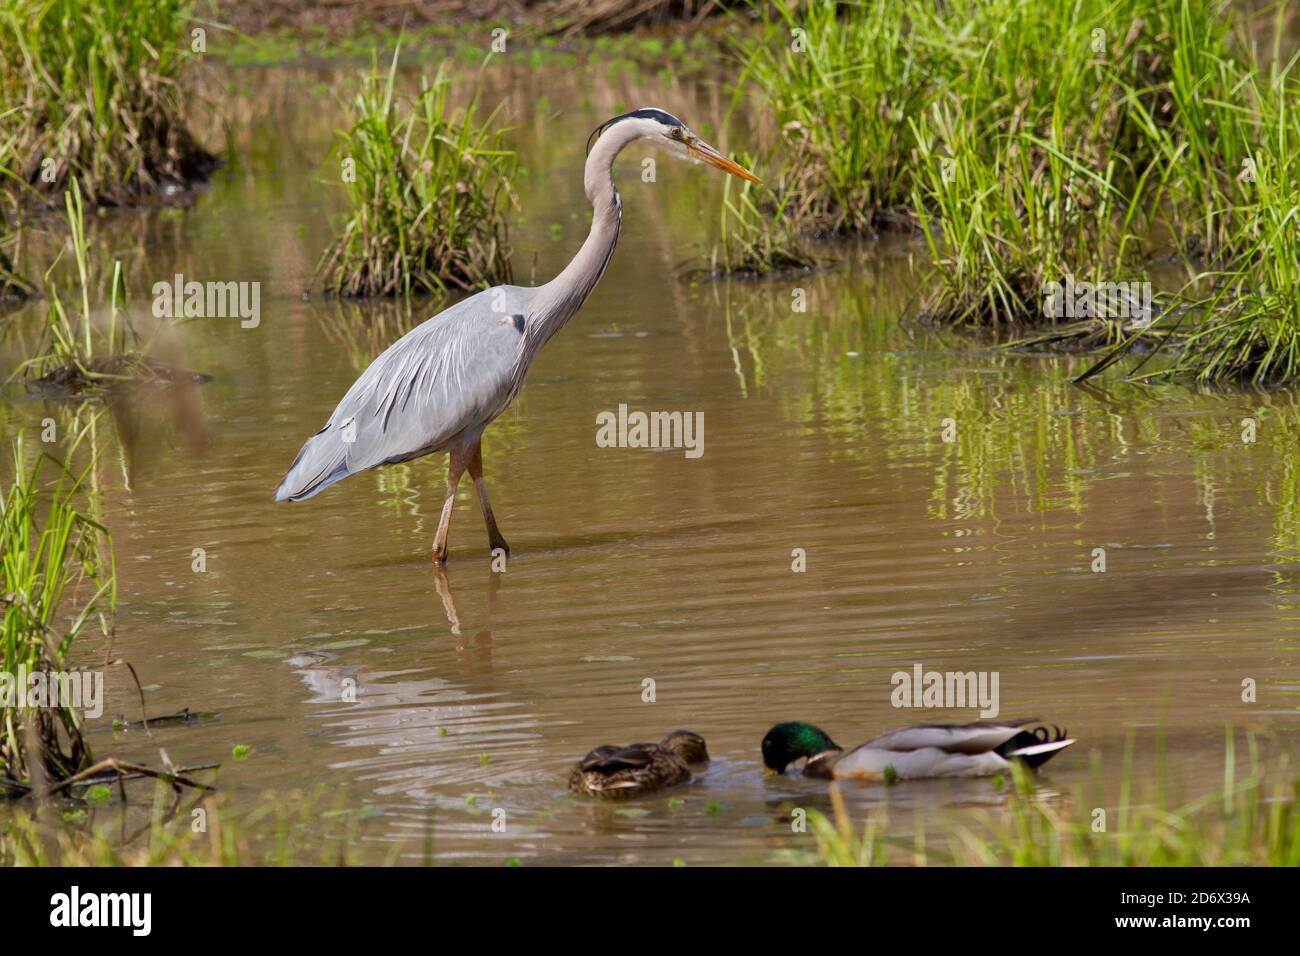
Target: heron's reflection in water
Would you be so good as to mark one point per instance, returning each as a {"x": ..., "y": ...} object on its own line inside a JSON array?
[
  {"x": 423, "y": 724},
  {"x": 475, "y": 658},
  {"x": 332, "y": 681}
]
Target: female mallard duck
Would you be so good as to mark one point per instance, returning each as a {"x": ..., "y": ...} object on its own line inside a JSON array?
[
  {"x": 617, "y": 772},
  {"x": 930, "y": 750}
]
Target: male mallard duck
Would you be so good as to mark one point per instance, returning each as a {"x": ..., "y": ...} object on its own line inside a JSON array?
[
  {"x": 930, "y": 750},
  {"x": 617, "y": 772}
]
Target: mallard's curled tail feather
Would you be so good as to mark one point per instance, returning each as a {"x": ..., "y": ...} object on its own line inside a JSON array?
[{"x": 1036, "y": 747}]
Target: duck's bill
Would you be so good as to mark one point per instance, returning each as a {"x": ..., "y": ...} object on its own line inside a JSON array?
[
  {"x": 769, "y": 772},
  {"x": 707, "y": 154}
]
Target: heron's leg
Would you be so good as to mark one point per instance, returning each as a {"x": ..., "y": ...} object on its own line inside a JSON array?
[
  {"x": 456, "y": 462},
  {"x": 495, "y": 538}
]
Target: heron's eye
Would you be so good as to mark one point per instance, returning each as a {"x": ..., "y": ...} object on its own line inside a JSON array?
[{"x": 676, "y": 132}]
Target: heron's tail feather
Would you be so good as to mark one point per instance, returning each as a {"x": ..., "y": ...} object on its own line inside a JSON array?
[{"x": 320, "y": 463}]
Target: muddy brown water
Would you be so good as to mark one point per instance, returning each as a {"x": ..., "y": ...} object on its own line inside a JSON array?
[{"x": 824, "y": 431}]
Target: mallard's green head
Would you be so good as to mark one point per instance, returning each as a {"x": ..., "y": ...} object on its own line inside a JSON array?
[{"x": 791, "y": 741}]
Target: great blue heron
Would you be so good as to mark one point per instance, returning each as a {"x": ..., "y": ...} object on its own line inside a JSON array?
[{"x": 439, "y": 385}]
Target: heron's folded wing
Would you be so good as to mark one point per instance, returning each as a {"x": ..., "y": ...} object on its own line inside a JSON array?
[
  {"x": 451, "y": 374},
  {"x": 427, "y": 389}
]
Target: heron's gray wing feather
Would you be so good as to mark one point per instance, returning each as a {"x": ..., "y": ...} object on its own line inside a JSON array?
[{"x": 446, "y": 378}]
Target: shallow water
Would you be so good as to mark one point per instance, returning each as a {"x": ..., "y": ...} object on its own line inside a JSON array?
[{"x": 823, "y": 431}]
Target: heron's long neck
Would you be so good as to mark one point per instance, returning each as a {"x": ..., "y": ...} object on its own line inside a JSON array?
[{"x": 560, "y": 298}]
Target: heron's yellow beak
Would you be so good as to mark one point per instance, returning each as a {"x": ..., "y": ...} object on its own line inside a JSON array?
[{"x": 707, "y": 154}]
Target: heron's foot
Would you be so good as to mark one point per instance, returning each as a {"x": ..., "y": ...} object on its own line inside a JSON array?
[
  {"x": 440, "y": 556},
  {"x": 496, "y": 542}
]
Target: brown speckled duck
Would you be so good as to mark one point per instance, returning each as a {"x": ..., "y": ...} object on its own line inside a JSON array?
[{"x": 616, "y": 772}]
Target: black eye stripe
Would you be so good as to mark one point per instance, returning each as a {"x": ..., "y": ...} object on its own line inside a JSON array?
[{"x": 668, "y": 119}]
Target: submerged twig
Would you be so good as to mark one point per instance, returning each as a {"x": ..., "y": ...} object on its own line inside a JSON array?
[{"x": 122, "y": 771}]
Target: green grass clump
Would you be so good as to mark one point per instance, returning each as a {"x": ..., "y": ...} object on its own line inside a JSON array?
[
  {"x": 78, "y": 354},
  {"x": 1200, "y": 120},
  {"x": 428, "y": 197},
  {"x": 1247, "y": 329},
  {"x": 1031, "y": 141},
  {"x": 841, "y": 81},
  {"x": 278, "y": 829},
  {"x": 755, "y": 235},
  {"x": 51, "y": 552},
  {"x": 1251, "y": 332},
  {"x": 12, "y": 285},
  {"x": 93, "y": 86},
  {"x": 1229, "y": 191},
  {"x": 1017, "y": 182},
  {"x": 1008, "y": 220}
]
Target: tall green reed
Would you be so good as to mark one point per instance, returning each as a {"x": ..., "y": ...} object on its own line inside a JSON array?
[
  {"x": 841, "y": 81},
  {"x": 1019, "y": 181},
  {"x": 95, "y": 86},
  {"x": 755, "y": 232},
  {"x": 51, "y": 554},
  {"x": 1238, "y": 320},
  {"x": 78, "y": 351},
  {"x": 12, "y": 285}
]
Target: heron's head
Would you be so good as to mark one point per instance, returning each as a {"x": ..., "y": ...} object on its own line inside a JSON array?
[{"x": 670, "y": 133}]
